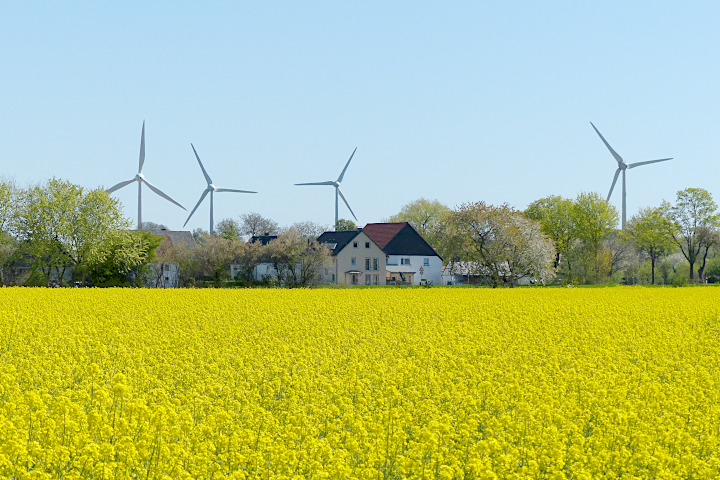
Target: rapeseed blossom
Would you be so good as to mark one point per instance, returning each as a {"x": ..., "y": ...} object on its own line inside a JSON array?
[{"x": 374, "y": 383}]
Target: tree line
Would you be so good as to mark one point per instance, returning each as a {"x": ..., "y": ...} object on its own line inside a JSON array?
[
  {"x": 575, "y": 241},
  {"x": 60, "y": 233}
]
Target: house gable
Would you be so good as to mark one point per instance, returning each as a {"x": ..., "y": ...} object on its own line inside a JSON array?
[{"x": 399, "y": 238}]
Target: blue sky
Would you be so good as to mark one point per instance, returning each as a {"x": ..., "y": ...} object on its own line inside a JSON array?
[{"x": 459, "y": 102}]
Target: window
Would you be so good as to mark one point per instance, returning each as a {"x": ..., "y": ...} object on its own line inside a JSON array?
[
  {"x": 367, "y": 244},
  {"x": 404, "y": 261},
  {"x": 367, "y": 264},
  {"x": 375, "y": 279},
  {"x": 333, "y": 277},
  {"x": 426, "y": 261},
  {"x": 375, "y": 264},
  {"x": 354, "y": 244},
  {"x": 367, "y": 279},
  {"x": 353, "y": 261}
]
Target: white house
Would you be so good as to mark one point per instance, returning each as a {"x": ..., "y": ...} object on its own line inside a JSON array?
[{"x": 410, "y": 258}]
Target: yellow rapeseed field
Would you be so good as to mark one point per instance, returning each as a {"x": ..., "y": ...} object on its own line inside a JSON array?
[{"x": 367, "y": 384}]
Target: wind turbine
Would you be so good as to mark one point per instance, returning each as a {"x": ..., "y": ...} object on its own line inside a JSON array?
[
  {"x": 211, "y": 189},
  {"x": 622, "y": 166},
  {"x": 140, "y": 178},
  {"x": 336, "y": 184}
]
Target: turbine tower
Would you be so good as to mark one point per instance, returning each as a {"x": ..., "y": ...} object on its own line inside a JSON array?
[
  {"x": 622, "y": 166},
  {"x": 140, "y": 178},
  {"x": 211, "y": 189},
  {"x": 336, "y": 184}
]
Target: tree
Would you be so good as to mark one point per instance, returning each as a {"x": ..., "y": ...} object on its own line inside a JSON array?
[
  {"x": 228, "y": 228},
  {"x": 555, "y": 214},
  {"x": 595, "y": 219},
  {"x": 297, "y": 260},
  {"x": 8, "y": 204},
  {"x": 694, "y": 223},
  {"x": 214, "y": 256},
  {"x": 426, "y": 216},
  {"x": 153, "y": 226},
  {"x": 345, "y": 225},
  {"x": 648, "y": 232},
  {"x": 253, "y": 224},
  {"x": 124, "y": 259},
  {"x": 500, "y": 243},
  {"x": 8, "y": 244},
  {"x": 62, "y": 226},
  {"x": 308, "y": 229}
]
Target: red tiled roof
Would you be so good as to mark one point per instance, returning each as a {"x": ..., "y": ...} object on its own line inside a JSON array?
[{"x": 382, "y": 233}]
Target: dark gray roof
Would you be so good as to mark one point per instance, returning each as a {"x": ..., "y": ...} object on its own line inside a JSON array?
[
  {"x": 338, "y": 240},
  {"x": 399, "y": 238},
  {"x": 263, "y": 239}
]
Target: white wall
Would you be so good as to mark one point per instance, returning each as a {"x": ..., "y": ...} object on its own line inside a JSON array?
[{"x": 432, "y": 273}]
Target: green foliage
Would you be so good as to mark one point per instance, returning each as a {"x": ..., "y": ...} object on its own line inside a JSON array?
[
  {"x": 344, "y": 225},
  {"x": 693, "y": 227},
  {"x": 649, "y": 231},
  {"x": 427, "y": 217}
]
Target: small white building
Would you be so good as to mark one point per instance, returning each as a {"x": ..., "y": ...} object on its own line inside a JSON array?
[{"x": 410, "y": 258}]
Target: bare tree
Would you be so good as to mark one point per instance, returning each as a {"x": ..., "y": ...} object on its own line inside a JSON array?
[
  {"x": 309, "y": 229},
  {"x": 252, "y": 224}
]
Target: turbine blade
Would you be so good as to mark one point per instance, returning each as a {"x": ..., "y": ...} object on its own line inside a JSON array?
[
  {"x": 637, "y": 164},
  {"x": 202, "y": 197},
  {"x": 329, "y": 182},
  {"x": 347, "y": 204},
  {"x": 342, "y": 174},
  {"x": 614, "y": 153},
  {"x": 233, "y": 190},
  {"x": 141, "y": 162},
  {"x": 617, "y": 173},
  {"x": 207, "y": 177},
  {"x": 119, "y": 186},
  {"x": 165, "y": 196}
]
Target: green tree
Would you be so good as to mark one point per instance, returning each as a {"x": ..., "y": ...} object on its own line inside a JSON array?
[
  {"x": 595, "y": 220},
  {"x": 8, "y": 244},
  {"x": 427, "y": 217},
  {"x": 344, "y": 225},
  {"x": 694, "y": 223},
  {"x": 62, "y": 226},
  {"x": 124, "y": 259},
  {"x": 555, "y": 214},
  {"x": 228, "y": 229},
  {"x": 648, "y": 231}
]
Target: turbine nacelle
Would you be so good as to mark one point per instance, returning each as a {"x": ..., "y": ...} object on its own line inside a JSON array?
[
  {"x": 622, "y": 166},
  {"x": 211, "y": 188},
  {"x": 140, "y": 179},
  {"x": 336, "y": 184}
]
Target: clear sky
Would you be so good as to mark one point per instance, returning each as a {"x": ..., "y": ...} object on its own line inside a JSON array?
[{"x": 455, "y": 101}]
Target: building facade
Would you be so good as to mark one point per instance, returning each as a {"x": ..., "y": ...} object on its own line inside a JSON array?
[{"x": 355, "y": 259}]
